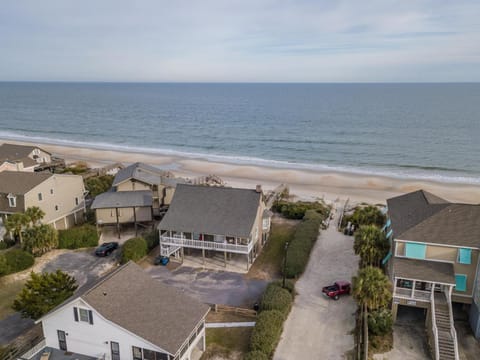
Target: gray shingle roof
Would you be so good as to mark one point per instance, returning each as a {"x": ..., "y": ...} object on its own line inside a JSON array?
[
  {"x": 433, "y": 271},
  {"x": 122, "y": 199},
  {"x": 212, "y": 210},
  {"x": 142, "y": 172},
  {"x": 424, "y": 217},
  {"x": 16, "y": 153},
  {"x": 159, "y": 313},
  {"x": 20, "y": 182}
]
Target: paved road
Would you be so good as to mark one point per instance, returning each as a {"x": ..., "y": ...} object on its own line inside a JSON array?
[
  {"x": 320, "y": 328},
  {"x": 214, "y": 287}
]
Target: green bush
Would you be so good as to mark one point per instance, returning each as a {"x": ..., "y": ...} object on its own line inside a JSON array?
[
  {"x": 297, "y": 210},
  {"x": 267, "y": 331},
  {"x": 40, "y": 239},
  {"x": 289, "y": 285},
  {"x": 368, "y": 215},
  {"x": 152, "y": 240},
  {"x": 255, "y": 355},
  {"x": 6, "y": 243},
  {"x": 98, "y": 184},
  {"x": 380, "y": 322},
  {"x": 78, "y": 237},
  {"x": 15, "y": 260},
  {"x": 276, "y": 298},
  {"x": 301, "y": 245},
  {"x": 134, "y": 249}
]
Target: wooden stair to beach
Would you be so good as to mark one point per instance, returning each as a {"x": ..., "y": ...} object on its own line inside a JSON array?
[{"x": 446, "y": 343}]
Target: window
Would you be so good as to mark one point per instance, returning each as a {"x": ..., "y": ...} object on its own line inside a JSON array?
[
  {"x": 137, "y": 353},
  {"x": 51, "y": 191},
  {"x": 464, "y": 256},
  {"x": 115, "y": 347},
  {"x": 460, "y": 282},
  {"x": 40, "y": 197},
  {"x": 76, "y": 201},
  {"x": 56, "y": 207},
  {"x": 415, "y": 251},
  {"x": 83, "y": 315},
  {"x": 12, "y": 200}
]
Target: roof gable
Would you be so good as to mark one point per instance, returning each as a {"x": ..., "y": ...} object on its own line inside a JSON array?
[
  {"x": 14, "y": 152},
  {"x": 20, "y": 182},
  {"x": 123, "y": 199},
  {"x": 141, "y": 172},
  {"x": 212, "y": 210}
]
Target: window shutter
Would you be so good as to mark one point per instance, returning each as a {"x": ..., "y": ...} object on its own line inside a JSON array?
[
  {"x": 90, "y": 316},
  {"x": 465, "y": 256},
  {"x": 75, "y": 313}
]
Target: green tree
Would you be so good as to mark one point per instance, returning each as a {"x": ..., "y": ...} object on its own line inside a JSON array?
[
  {"x": 371, "y": 288},
  {"x": 34, "y": 214},
  {"x": 368, "y": 215},
  {"x": 42, "y": 292},
  {"x": 370, "y": 244},
  {"x": 40, "y": 239},
  {"x": 98, "y": 184},
  {"x": 15, "y": 224}
]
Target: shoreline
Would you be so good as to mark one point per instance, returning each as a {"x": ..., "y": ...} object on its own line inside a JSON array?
[{"x": 306, "y": 184}]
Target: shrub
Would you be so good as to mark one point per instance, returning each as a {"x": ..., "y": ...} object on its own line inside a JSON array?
[
  {"x": 134, "y": 249},
  {"x": 255, "y": 355},
  {"x": 289, "y": 285},
  {"x": 40, "y": 239},
  {"x": 267, "y": 331},
  {"x": 78, "y": 237},
  {"x": 380, "y": 322},
  {"x": 276, "y": 298},
  {"x": 368, "y": 215},
  {"x": 297, "y": 210},
  {"x": 98, "y": 184},
  {"x": 301, "y": 245},
  {"x": 152, "y": 239},
  {"x": 15, "y": 260},
  {"x": 6, "y": 243}
]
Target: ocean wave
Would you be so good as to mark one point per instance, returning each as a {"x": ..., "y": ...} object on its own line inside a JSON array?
[{"x": 411, "y": 172}]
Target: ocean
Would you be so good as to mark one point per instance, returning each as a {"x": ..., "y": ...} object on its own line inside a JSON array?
[{"x": 418, "y": 131}]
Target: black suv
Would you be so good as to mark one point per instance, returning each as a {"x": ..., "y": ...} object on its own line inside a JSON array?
[{"x": 106, "y": 249}]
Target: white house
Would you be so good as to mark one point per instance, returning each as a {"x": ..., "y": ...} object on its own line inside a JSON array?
[{"x": 126, "y": 315}]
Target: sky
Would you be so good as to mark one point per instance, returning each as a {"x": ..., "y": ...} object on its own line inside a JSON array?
[{"x": 240, "y": 41}]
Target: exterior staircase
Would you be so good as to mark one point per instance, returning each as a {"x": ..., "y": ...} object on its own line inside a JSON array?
[
  {"x": 446, "y": 338},
  {"x": 166, "y": 250}
]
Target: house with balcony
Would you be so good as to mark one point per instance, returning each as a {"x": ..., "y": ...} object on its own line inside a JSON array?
[
  {"x": 61, "y": 197},
  {"x": 15, "y": 157},
  {"x": 125, "y": 315},
  {"x": 143, "y": 177},
  {"x": 214, "y": 219},
  {"x": 434, "y": 261}
]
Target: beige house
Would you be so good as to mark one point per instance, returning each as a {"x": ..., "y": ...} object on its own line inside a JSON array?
[
  {"x": 218, "y": 219},
  {"x": 61, "y": 197},
  {"x": 142, "y": 177},
  {"x": 22, "y": 157},
  {"x": 434, "y": 261}
]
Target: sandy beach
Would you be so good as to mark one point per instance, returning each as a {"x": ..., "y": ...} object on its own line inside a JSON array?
[{"x": 303, "y": 183}]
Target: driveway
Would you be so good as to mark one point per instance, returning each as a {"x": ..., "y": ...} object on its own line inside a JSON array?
[
  {"x": 317, "y": 327},
  {"x": 210, "y": 286}
]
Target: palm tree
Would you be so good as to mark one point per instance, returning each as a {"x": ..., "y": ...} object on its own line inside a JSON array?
[
  {"x": 371, "y": 244},
  {"x": 371, "y": 288},
  {"x": 15, "y": 224},
  {"x": 34, "y": 214}
]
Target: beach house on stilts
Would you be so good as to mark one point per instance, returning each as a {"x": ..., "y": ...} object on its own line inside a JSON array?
[
  {"x": 434, "y": 263},
  {"x": 214, "y": 220}
]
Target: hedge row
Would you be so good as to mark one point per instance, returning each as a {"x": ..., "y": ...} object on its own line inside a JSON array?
[
  {"x": 78, "y": 237},
  {"x": 134, "y": 249},
  {"x": 14, "y": 260},
  {"x": 302, "y": 243},
  {"x": 276, "y": 298},
  {"x": 297, "y": 210}
]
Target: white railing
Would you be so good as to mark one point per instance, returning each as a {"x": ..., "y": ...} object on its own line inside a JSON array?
[
  {"x": 207, "y": 245},
  {"x": 407, "y": 294},
  {"x": 434, "y": 326},
  {"x": 453, "y": 332},
  {"x": 34, "y": 350},
  {"x": 167, "y": 250}
]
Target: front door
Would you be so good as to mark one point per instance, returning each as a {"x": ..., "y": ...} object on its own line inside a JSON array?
[
  {"x": 62, "y": 340},
  {"x": 115, "y": 350}
]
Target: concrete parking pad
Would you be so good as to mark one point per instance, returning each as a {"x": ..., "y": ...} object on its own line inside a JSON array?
[{"x": 318, "y": 327}]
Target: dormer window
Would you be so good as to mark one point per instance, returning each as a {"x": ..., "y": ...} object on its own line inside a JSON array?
[{"x": 12, "y": 200}]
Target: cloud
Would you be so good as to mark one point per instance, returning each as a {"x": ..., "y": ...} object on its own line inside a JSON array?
[{"x": 262, "y": 40}]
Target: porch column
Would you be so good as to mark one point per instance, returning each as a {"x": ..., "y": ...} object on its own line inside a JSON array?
[
  {"x": 225, "y": 258},
  {"x": 248, "y": 260},
  {"x": 135, "y": 220},
  {"x": 394, "y": 312},
  {"x": 413, "y": 289},
  {"x": 118, "y": 222},
  {"x": 65, "y": 222},
  {"x": 182, "y": 253},
  {"x": 203, "y": 255}
]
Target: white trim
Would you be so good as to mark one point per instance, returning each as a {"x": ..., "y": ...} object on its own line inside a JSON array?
[
  {"x": 421, "y": 280},
  {"x": 436, "y": 244},
  {"x": 427, "y": 259}
]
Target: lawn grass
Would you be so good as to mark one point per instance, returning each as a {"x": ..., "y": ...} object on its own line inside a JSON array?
[
  {"x": 8, "y": 291},
  {"x": 268, "y": 265},
  {"x": 223, "y": 342}
]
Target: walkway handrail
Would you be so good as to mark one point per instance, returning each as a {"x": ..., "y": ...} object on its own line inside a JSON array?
[
  {"x": 208, "y": 245},
  {"x": 434, "y": 326},
  {"x": 453, "y": 332}
]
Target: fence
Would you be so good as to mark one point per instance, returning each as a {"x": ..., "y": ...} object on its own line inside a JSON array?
[{"x": 233, "y": 309}]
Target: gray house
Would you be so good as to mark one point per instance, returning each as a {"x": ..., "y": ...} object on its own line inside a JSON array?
[{"x": 221, "y": 219}]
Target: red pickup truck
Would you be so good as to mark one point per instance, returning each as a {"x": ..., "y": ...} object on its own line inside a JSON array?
[{"x": 338, "y": 288}]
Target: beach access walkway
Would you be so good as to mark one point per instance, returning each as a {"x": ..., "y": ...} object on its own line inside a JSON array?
[{"x": 319, "y": 327}]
